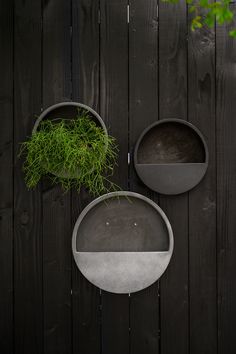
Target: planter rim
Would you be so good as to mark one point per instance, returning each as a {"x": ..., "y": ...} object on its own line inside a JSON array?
[
  {"x": 69, "y": 103},
  {"x": 171, "y": 120},
  {"x": 123, "y": 194}
]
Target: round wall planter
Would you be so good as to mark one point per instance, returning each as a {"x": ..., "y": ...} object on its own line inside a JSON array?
[
  {"x": 122, "y": 242},
  {"x": 67, "y": 111},
  {"x": 171, "y": 156}
]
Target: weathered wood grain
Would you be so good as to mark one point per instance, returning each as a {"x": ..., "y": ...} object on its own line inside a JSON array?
[
  {"x": 56, "y": 204},
  {"x": 6, "y": 177},
  {"x": 202, "y": 199},
  {"x": 226, "y": 188},
  {"x": 28, "y": 302},
  {"x": 173, "y": 104},
  {"x": 85, "y": 89},
  {"x": 133, "y": 74},
  {"x": 114, "y": 109},
  {"x": 143, "y": 110}
]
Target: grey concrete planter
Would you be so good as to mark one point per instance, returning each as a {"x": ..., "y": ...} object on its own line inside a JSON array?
[
  {"x": 122, "y": 242},
  {"x": 67, "y": 111},
  {"x": 171, "y": 156}
]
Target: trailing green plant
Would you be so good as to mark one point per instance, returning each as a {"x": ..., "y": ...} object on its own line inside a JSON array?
[
  {"x": 73, "y": 153},
  {"x": 218, "y": 12}
]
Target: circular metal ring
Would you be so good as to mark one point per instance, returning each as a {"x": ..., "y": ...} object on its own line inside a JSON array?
[{"x": 50, "y": 109}]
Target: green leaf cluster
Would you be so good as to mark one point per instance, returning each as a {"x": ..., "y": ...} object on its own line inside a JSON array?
[
  {"x": 218, "y": 11},
  {"x": 72, "y": 152}
]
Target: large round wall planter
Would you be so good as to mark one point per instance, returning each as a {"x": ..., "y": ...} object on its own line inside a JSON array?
[
  {"x": 122, "y": 242},
  {"x": 171, "y": 156},
  {"x": 67, "y": 111}
]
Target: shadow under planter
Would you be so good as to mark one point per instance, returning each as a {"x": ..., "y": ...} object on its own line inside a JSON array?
[
  {"x": 122, "y": 242},
  {"x": 171, "y": 156}
]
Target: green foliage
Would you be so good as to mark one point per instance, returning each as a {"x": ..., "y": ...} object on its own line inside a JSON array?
[
  {"x": 71, "y": 152},
  {"x": 232, "y": 33},
  {"x": 196, "y": 23},
  {"x": 218, "y": 11}
]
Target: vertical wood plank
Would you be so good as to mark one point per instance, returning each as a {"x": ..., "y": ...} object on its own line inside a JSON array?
[
  {"x": 27, "y": 217},
  {"x": 56, "y": 204},
  {"x": 85, "y": 52},
  {"x": 226, "y": 188},
  {"x": 173, "y": 104},
  {"x": 202, "y": 199},
  {"x": 114, "y": 109},
  {"x": 6, "y": 177},
  {"x": 85, "y": 89},
  {"x": 143, "y": 110}
]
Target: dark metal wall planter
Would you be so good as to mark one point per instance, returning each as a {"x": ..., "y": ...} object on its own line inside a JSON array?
[
  {"x": 68, "y": 110},
  {"x": 122, "y": 242},
  {"x": 171, "y": 156}
]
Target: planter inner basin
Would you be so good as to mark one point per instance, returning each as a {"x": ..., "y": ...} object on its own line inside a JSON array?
[
  {"x": 171, "y": 156},
  {"x": 122, "y": 242},
  {"x": 68, "y": 111}
]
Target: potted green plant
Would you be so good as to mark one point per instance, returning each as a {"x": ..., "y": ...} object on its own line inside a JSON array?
[{"x": 70, "y": 144}]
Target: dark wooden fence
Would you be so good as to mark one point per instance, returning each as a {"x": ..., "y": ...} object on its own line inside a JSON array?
[{"x": 132, "y": 73}]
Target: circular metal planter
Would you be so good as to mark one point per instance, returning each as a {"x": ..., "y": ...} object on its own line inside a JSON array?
[
  {"x": 171, "y": 156},
  {"x": 122, "y": 242},
  {"x": 68, "y": 111}
]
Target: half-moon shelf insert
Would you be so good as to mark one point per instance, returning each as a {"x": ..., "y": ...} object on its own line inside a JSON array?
[
  {"x": 171, "y": 156},
  {"x": 122, "y": 242}
]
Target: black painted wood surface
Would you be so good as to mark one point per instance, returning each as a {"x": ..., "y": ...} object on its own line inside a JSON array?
[
  {"x": 134, "y": 67},
  {"x": 56, "y": 87},
  {"x": 28, "y": 258},
  {"x": 226, "y": 188},
  {"x": 114, "y": 110},
  {"x": 202, "y": 200},
  {"x": 6, "y": 177},
  {"x": 173, "y": 73},
  {"x": 143, "y": 110},
  {"x": 86, "y": 299}
]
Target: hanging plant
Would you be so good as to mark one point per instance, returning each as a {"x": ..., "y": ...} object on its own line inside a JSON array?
[{"x": 72, "y": 152}]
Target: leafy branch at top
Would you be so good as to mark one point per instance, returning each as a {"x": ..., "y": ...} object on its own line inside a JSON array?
[{"x": 218, "y": 11}]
